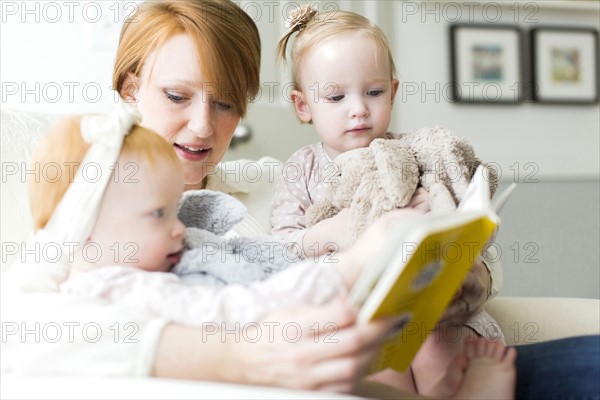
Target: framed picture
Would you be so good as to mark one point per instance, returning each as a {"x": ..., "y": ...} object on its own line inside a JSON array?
[
  {"x": 564, "y": 65},
  {"x": 486, "y": 63}
]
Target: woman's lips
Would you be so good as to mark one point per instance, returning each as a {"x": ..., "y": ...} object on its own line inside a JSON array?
[{"x": 191, "y": 153}]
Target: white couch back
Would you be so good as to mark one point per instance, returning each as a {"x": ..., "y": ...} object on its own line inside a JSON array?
[{"x": 19, "y": 132}]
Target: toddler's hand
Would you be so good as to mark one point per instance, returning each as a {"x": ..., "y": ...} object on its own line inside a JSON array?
[
  {"x": 328, "y": 236},
  {"x": 420, "y": 201}
]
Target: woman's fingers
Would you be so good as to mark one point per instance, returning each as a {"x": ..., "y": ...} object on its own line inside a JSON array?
[
  {"x": 341, "y": 374},
  {"x": 325, "y": 350},
  {"x": 341, "y": 366},
  {"x": 351, "y": 341}
]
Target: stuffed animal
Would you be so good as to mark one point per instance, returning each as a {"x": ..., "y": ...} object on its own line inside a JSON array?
[
  {"x": 211, "y": 259},
  {"x": 377, "y": 179}
]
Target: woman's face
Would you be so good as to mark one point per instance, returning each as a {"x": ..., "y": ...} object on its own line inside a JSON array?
[{"x": 176, "y": 102}]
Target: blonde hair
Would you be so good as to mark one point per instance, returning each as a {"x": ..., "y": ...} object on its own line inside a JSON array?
[
  {"x": 226, "y": 39},
  {"x": 313, "y": 28},
  {"x": 63, "y": 149}
]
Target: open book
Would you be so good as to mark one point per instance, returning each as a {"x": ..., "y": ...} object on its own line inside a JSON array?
[{"x": 421, "y": 268}]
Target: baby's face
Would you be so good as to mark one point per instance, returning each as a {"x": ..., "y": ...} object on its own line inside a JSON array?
[
  {"x": 137, "y": 224},
  {"x": 348, "y": 92}
]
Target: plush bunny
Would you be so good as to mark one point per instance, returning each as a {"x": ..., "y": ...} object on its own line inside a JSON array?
[
  {"x": 379, "y": 178},
  {"x": 211, "y": 259}
]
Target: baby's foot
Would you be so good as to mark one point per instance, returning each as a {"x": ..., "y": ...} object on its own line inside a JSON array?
[
  {"x": 491, "y": 372},
  {"x": 452, "y": 380}
]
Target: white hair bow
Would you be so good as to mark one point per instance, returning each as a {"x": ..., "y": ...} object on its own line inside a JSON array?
[
  {"x": 75, "y": 215},
  {"x": 110, "y": 129}
]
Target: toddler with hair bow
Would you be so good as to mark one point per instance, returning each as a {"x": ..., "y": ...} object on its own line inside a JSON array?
[{"x": 344, "y": 83}]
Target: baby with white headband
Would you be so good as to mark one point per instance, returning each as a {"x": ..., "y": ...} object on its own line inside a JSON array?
[{"x": 114, "y": 199}]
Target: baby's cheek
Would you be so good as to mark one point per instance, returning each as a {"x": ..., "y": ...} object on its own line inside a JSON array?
[{"x": 151, "y": 259}]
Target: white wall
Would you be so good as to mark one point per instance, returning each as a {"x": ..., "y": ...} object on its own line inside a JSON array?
[
  {"x": 50, "y": 63},
  {"x": 57, "y": 56},
  {"x": 550, "y": 234},
  {"x": 558, "y": 141}
]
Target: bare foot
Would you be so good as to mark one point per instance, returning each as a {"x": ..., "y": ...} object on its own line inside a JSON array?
[
  {"x": 491, "y": 372},
  {"x": 402, "y": 381},
  {"x": 452, "y": 380},
  {"x": 390, "y": 384}
]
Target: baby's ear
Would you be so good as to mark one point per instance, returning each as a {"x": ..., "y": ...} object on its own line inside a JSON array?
[
  {"x": 302, "y": 110},
  {"x": 395, "y": 84}
]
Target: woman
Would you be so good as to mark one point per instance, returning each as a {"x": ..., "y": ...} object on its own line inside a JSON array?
[
  {"x": 192, "y": 88},
  {"x": 196, "y": 105},
  {"x": 191, "y": 68}
]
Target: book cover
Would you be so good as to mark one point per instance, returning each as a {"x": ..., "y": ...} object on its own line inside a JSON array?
[{"x": 416, "y": 276}]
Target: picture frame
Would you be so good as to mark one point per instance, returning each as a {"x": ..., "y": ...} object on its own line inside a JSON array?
[
  {"x": 564, "y": 65},
  {"x": 486, "y": 63}
]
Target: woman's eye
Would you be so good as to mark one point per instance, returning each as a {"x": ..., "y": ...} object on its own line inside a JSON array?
[
  {"x": 375, "y": 92},
  {"x": 174, "y": 98},
  {"x": 336, "y": 98},
  {"x": 159, "y": 213},
  {"x": 223, "y": 106}
]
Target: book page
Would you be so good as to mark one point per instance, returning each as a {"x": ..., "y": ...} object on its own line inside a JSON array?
[
  {"x": 477, "y": 194},
  {"x": 501, "y": 198}
]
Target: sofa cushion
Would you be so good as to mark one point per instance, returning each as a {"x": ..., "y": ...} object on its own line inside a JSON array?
[
  {"x": 19, "y": 133},
  {"x": 526, "y": 320}
]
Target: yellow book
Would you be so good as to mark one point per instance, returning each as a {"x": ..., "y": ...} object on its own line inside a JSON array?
[{"x": 418, "y": 273}]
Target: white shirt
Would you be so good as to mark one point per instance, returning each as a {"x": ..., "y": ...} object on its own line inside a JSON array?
[{"x": 252, "y": 183}]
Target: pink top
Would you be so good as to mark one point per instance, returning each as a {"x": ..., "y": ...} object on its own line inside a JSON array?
[
  {"x": 304, "y": 182},
  {"x": 164, "y": 295}
]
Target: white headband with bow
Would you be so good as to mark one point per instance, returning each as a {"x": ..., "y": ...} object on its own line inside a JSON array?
[{"x": 75, "y": 215}]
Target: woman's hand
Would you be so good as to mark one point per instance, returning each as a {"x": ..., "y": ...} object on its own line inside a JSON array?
[
  {"x": 471, "y": 296},
  {"x": 308, "y": 347},
  {"x": 368, "y": 246},
  {"x": 296, "y": 347}
]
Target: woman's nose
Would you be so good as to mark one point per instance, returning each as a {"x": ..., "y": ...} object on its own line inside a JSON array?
[{"x": 200, "y": 119}]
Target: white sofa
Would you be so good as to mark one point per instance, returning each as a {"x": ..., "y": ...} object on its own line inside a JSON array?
[{"x": 523, "y": 320}]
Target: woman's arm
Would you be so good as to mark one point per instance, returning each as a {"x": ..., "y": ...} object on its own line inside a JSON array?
[{"x": 300, "y": 347}]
